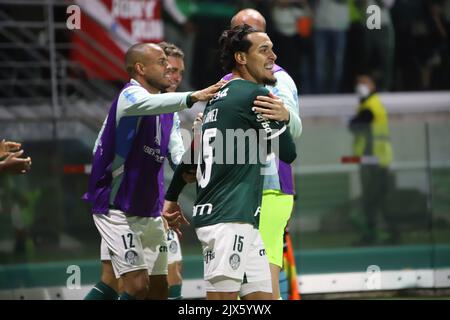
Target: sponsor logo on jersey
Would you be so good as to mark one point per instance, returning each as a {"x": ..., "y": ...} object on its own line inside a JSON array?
[
  {"x": 131, "y": 257},
  {"x": 201, "y": 209},
  {"x": 163, "y": 249},
  {"x": 235, "y": 261},
  {"x": 219, "y": 95},
  {"x": 155, "y": 153},
  {"x": 262, "y": 252},
  {"x": 264, "y": 123}
]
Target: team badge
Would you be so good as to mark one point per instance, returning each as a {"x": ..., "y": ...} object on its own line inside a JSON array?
[
  {"x": 235, "y": 261},
  {"x": 131, "y": 257},
  {"x": 173, "y": 247}
]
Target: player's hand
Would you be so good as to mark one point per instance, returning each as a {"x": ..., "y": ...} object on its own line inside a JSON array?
[
  {"x": 14, "y": 164},
  {"x": 6, "y": 147},
  {"x": 207, "y": 93},
  {"x": 197, "y": 125},
  {"x": 271, "y": 107},
  {"x": 174, "y": 216}
]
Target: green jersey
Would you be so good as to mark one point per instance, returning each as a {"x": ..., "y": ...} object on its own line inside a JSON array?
[{"x": 234, "y": 146}]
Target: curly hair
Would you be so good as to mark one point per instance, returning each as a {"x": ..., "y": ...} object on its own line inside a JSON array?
[{"x": 232, "y": 41}]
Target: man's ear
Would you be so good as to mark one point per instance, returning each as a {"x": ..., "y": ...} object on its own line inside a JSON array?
[
  {"x": 139, "y": 68},
  {"x": 240, "y": 57}
]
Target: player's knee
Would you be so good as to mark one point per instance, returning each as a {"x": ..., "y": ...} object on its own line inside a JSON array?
[
  {"x": 139, "y": 290},
  {"x": 179, "y": 266},
  {"x": 174, "y": 274},
  {"x": 136, "y": 284},
  {"x": 108, "y": 277}
]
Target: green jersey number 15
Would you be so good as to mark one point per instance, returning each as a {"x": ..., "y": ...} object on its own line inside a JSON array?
[{"x": 203, "y": 178}]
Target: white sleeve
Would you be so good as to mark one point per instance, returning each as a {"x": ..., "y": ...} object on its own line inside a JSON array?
[
  {"x": 176, "y": 147},
  {"x": 171, "y": 7},
  {"x": 137, "y": 101},
  {"x": 287, "y": 91}
]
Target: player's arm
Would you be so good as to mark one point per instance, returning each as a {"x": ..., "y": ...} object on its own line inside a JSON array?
[
  {"x": 171, "y": 210},
  {"x": 284, "y": 99},
  {"x": 177, "y": 184},
  {"x": 137, "y": 101},
  {"x": 176, "y": 146},
  {"x": 287, "y": 92},
  {"x": 274, "y": 132},
  {"x": 286, "y": 150}
]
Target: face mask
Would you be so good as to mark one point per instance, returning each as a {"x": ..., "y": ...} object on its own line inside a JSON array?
[{"x": 362, "y": 90}]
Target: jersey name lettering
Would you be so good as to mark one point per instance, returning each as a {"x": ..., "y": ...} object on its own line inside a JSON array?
[{"x": 211, "y": 116}]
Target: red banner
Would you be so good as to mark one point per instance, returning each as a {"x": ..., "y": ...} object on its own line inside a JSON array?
[{"x": 108, "y": 29}]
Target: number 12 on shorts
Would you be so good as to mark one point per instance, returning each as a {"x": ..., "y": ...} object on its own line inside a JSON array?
[
  {"x": 238, "y": 243},
  {"x": 130, "y": 241}
]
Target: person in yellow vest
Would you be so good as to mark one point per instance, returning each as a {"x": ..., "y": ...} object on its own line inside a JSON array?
[{"x": 370, "y": 127}]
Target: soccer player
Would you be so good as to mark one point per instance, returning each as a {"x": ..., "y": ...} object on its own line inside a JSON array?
[
  {"x": 230, "y": 187},
  {"x": 109, "y": 286},
  {"x": 127, "y": 173},
  {"x": 278, "y": 194},
  {"x": 175, "y": 57}
]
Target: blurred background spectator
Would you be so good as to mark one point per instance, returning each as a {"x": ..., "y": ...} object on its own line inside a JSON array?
[
  {"x": 332, "y": 20},
  {"x": 292, "y": 37},
  {"x": 322, "y": 43},
  {"x": 421, "y": 55}
]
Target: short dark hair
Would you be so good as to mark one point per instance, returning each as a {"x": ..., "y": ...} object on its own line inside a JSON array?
[
  {"x": 171, "y": 50},
  {"x": 232, "y": 41}
]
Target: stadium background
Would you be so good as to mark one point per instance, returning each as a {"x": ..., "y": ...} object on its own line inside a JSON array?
[{"x": 52, "y": 104}]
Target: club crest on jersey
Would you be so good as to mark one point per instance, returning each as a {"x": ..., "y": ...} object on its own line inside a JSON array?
[
  {"x": 173, "y": 247},
  {"x": 235, "y": 261},
  {"x": 131, "y": 257}
]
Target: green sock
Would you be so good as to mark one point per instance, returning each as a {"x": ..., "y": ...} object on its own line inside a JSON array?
[
  {"x": 175, "y": 292},
  {"x": 101, "y": 291},
  {"x": 126, "y": 296}
]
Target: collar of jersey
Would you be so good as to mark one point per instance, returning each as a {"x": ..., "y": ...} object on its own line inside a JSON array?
[
  {"x": 136, "y": 83},
  {"x": 230, "y": 81}
]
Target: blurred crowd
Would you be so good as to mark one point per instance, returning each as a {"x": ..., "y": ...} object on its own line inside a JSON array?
[{"x": 325, "y": 44}]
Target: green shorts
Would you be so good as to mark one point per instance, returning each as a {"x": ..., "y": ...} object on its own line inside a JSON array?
[{"x": 276, "y": 208}]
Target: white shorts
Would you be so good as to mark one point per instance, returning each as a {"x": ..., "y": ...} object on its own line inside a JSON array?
[
  {"x": 174, "y": 247},
  {"x": 105, "y": 255},
  {"x": 133, "y": 242},
  {"x": 233, "y": 251},
  {"x": 104, "y": 251}
]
